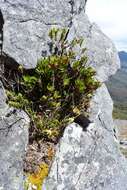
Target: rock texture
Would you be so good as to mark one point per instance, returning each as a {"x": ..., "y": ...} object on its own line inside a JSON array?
[
  {"x": 90, "y": 160},
  {"x": 13, "y": 142},
  {"x": 84, "y": 160},
  {"x": 27, "y": 24},
  {"x": 100, "y": 49},
  {"x": 26, "y": 27}
]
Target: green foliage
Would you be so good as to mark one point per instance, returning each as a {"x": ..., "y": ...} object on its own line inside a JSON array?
[
  {"x": 56, "y": 86},
  {"x": 29, "y": 81},
  {"x": 17, "y": 100}
]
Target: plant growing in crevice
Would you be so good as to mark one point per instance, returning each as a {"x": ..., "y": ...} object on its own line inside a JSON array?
[{"x": 52, "y": 93}]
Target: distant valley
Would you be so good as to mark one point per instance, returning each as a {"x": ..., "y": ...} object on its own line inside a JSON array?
[{"x": 117, "y": 86}]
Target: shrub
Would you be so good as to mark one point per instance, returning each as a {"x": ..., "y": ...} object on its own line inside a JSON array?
[{"x": 52, "y": 93}]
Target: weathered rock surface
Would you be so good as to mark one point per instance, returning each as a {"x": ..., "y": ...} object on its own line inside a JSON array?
[
  {"x": 100, "y": 49},
  {"x": 26, "y": 32},
  {"x": 90, "y": 160},
  {"x": 27, "y": 24},
  {"x": 84, "y": 160},
  {"x": 13, "y": 142}
]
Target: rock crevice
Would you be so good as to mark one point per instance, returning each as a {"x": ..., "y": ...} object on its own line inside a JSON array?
[
  {"x": 1, "y": 31},
  {"x": 84, "y": 159}
]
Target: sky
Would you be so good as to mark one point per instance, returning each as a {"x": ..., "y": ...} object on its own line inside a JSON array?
[{"x": 111, "y": 16}]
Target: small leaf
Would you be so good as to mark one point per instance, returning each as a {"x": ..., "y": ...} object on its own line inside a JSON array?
[
  {"x": 29, "y": 80},
  {"x": 84, "y": 59},
  {"x": 20, "y": 68},
  {"x": 80, "y": 84},
  {"x": 44, "y": 97},
  {"x": 76, "y": 64},
  {"x": 76, "y": 111},
  {"x": 50, "y": 88},
  {"x": 56, "y": 104},
  {"x": 56, "y": 95},
  {"x": 81, "y": 41},
  {"x": 71, "y": 119},
  {"x": 48, "y": 131},
  {"x": 89, "y": 95},
  {"x": 66, "y": 81}
]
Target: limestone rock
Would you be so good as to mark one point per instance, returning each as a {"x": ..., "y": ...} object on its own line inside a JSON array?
[
  {"x": 89, "y": 160},
  {"x": 27, "y": 24},
  {"x": 13, "y": 142},
  {"x": 101, "y": 51},
  {"x": 26, "y": 27}
]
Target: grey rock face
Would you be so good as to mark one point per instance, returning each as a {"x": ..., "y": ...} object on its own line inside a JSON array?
[
  {"x": 101, "y": 51},
  {"x": 13, "y": 142},
  {"x": 89, "y": 160},
  {"x": 27, "y": 24}
]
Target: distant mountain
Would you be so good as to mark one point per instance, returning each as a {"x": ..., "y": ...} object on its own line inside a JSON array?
[
  {"x": 123, "y": 59},
  {"x": 123, "y": 56},
  {"x": 117, "y": 86}
]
